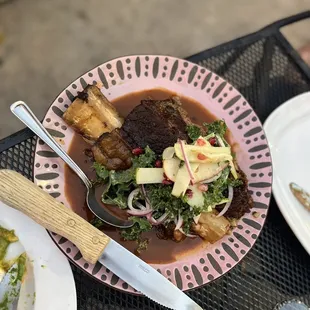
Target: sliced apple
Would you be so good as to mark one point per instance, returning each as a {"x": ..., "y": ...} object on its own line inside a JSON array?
[
  {"x": 197, "y": 199},
  {"x": 182, "y": 180},
  {"x": 149, "y": 175},
  {"x": 202, "y": 141},
  {"x": 233, "y": 169},
  {"x": 168, "y": 152},
  {"x": 208, "y": 170},
  {"x": 171, "y": 168},
  {"x": 203, "y": 154},
  {"x": 200, "y": 149}
]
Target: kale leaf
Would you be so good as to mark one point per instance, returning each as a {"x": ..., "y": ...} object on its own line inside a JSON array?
[
  {"x": 116, "y": 194},
  {"x": 193, "y": 131},
  {"x": 142, "y": 245},
  {"x": 101, "y": 171},
  {"x": 145, "y": 160},
  {"x": 140, "y": 225},
  {"x": 218, "y": 127},
  {"x": 120, "y": 183},
  {"x": 215, "y": 194},
  {"x": 217, "y": 190},
  {"x": 96, "y": 222},
  {"x": 235, "y": 182},
  {"x": 162, "y": 201}
]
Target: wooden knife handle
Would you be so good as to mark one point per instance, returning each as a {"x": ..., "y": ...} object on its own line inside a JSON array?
[{"x": 23, "y": 195}]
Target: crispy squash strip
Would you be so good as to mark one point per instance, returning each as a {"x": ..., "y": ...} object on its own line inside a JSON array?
[{"x": 91, "y": 114}]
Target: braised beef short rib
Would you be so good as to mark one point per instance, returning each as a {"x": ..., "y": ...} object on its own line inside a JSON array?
[{"x": 156, "y": 123}]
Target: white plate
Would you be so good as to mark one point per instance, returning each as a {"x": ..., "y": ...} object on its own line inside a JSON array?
[
  {"x": 52, "y": 279},
  {"x": 288, "y": 134}
]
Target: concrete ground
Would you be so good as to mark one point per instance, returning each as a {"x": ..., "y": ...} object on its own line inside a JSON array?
[{"x": 44, "y": 44}]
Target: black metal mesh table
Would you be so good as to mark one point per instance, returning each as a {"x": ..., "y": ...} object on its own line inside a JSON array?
[{"x": 267, "y": 71}]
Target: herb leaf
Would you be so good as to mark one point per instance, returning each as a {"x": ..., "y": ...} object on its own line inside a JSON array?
[
  {"x": 218, "y": 127},
  {"x": 193, "y": 131},
  {"x": 215, "y": 194},
  {"x": 140, "y": 225},
  {"x": 96, "y": 222},
  {"x": 217, "y": 191},
  {"x": 162, "y": 201},
  {"x": 120, "y": 183},
  {"x": 235, "y": 182},
  {"x": 101, "y": 171},
  {"x": 145, "y": 160}
]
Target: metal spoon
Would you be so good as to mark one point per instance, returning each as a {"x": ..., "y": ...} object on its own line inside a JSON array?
[{"x": 21, "y": 110}]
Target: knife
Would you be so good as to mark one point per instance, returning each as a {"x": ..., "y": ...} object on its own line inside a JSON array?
[
  {"x": 21, "y": 194},
  {"x": 301, "y": 195},
  {"x": 9, "y": 288}
]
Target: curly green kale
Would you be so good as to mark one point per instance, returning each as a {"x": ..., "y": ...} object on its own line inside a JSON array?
[
  {"x": 162, "y": 201},
  {"x": 140, "y": 225},
  {"x": 193, "y": 131},
  {"x": 217, "y": 127},
  {"x": 217, "y": 190},
  {"x": 120, "y": 183}
]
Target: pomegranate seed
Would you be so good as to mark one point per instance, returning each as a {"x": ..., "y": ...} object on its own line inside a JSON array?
[
  {"x": 201, "y": 156},
  {"x": 158, "y": 163},
  {"x": 201, "y": 142},
  {"x": 167, "y": 182},
  {"x": 203, "y": 187},
  {"x": 137, "y": 151},
  {"x": 212, "y": 141},
  {"x": 189, "y": 193}
]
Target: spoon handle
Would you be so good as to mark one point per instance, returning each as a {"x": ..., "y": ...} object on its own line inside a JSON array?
[
  {"x": 23, "y": 195},
  {"x": 21, "y": 110}
]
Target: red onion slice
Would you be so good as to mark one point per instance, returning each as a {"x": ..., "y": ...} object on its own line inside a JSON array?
[
  {"x": 141, "y": 206},
  {"x": 139, "y": 212},
  {"x": 131, "y": 196},
  {"x": 188, "y": 166},
  {"x": 228, "y": 203},
  {"x": 159, "y": 221},
  {"x": 147, "y": 201},
  {"x": 187, "y": 235},
  {"x": 179, "y": 223}
]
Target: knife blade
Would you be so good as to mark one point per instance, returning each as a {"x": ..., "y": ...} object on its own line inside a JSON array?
[
  {"x": 145, "y": 278},
  {"x": 10, "y": 288},
  {"x": 21, "y": 194}
]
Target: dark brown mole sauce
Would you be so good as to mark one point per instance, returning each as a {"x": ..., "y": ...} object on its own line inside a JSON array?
[{"x": 159, "y": 251}]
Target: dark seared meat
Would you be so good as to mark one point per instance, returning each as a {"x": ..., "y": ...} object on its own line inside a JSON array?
[
  {"x": 165, "y": 232},
  {"x": 156, "y": 123},
  {"x": 112, "y": 151},
  {"x": 242, "y": 201}
]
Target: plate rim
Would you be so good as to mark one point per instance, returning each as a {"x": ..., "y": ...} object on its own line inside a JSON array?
[
  {"x": 37, "y": 257},
  {"x": 223, "y": 80},
  {"x": 275, "y": 186}
]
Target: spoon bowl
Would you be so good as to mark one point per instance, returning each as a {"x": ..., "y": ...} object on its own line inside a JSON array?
[{"x": 21, "y": 110}]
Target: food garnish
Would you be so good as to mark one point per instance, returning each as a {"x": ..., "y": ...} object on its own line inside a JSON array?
[
  {"x": 164, "y": 170},
  {"x": 7, "y": 260},
  {"x": 180, "y": 191}
]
